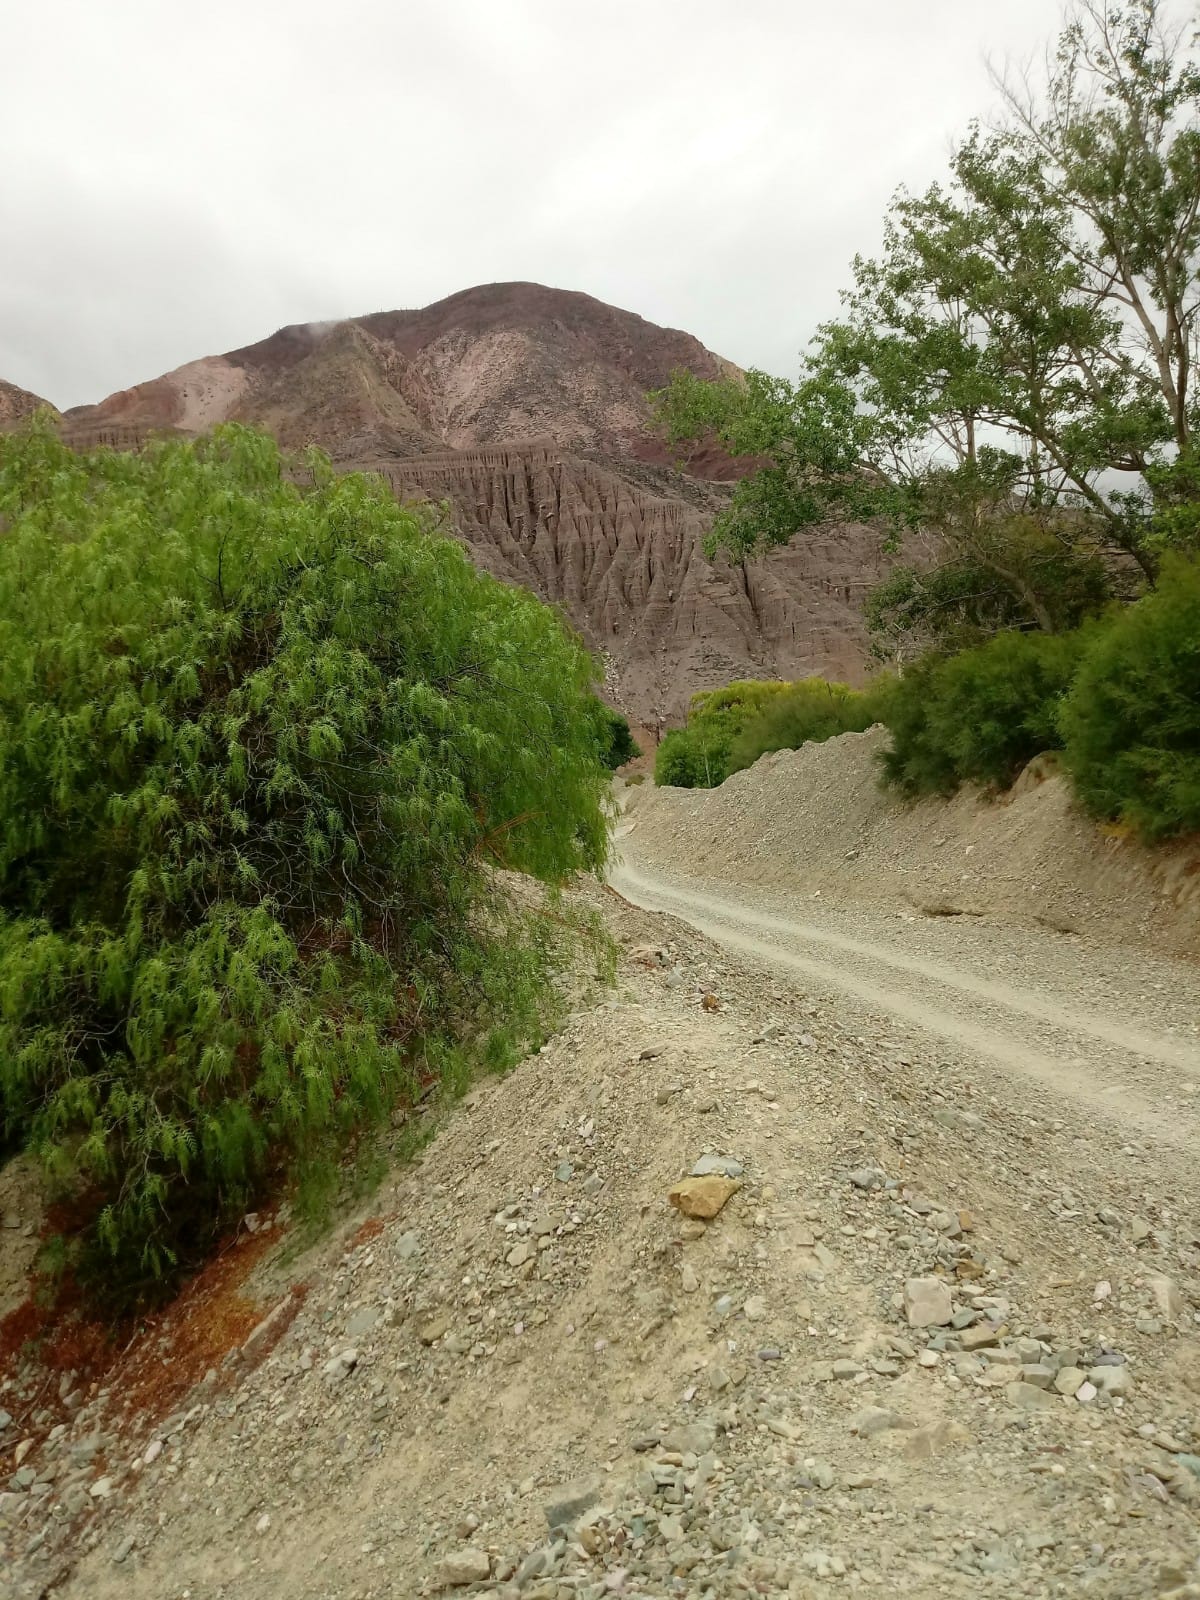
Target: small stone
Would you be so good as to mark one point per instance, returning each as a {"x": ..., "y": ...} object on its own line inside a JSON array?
[
  {"x": 928, "y": 1358},
  {"x": 927, "y": 1303},
  {"x": 569, "y": 1501},
  {"x": 1140, "y": 1230},
  {"x": 1027, "y": 1397},
  {"x": 263, "y": 1524},
  {"x": 689, "y": 1281},
  {"x": 721, "y": 1166},
  {"x": 866, "y": 1178},
  {"x": 1086, "y": 1393},
  {"x": 845, "y": 1369},
  {"x": 691, "y": 1438},
  {"x": 876, "y": 1419},
  {"x": 520, "y": 1253},
  {"x": 123, "y": 1550},
  {"x": 704, "y": 1198},
  {"x": 755, "y": 1309},
  {"x": 651, "y": 1052},
  {"x": 692, "y": 1229},
  {"x": 1111, "y": 1380},
  {"x": 1037, "y": 1373},
  {"x": 706, "y": 1103},
  {"x": 980, "y": 1337},
  {"x": 408, "y": 1245},
  {"x": 1167, "y": 1297},
  {"x": 101, "y": 1489},
  {"x": 1068, "y": 1379},
  {"x": 435, "y": 1328},
  {"x": 463, "y": 1567},
  {"x": 564, "y": 1171},
  {"x": 361, "y": 1323}
]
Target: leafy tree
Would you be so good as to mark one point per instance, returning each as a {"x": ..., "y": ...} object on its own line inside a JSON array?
[
  {"x": 1013, "y": 373},
  {"x": 263, "y": 741},
  {"x": 697, "y": 756},
  {"x": 980, "y": 715},
  {"x": 808, "y": 711},
  {"x": 617, "y": 744},
  {"x": 1132, "y": 719}
]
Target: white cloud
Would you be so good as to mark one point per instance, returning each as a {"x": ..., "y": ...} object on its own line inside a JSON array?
[{"x": 182, "y": 181}]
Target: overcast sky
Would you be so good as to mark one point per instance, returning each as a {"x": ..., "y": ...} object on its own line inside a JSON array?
[{"x": 181, "y": 180}]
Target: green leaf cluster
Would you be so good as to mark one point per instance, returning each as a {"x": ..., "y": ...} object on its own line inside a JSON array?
[
  {"x": 979, "y": 715},
  {"x": 1119, "y": 697},
  {"x": 728, "y": 729},
  {"x": 1131, "y": 722},
  {"x": 808, "y": 711},
  {"x": 697, "y": 755},
  {"x": 264, "y": 741}
]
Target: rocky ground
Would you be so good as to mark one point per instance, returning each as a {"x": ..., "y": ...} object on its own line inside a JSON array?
[{"x": 940, "y": 1338}]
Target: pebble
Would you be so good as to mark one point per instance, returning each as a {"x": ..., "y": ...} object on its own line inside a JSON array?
[
  {"x": 435, "y": 1327},
  {"x": 463, "y": 1567},
  {"x": 927, "y": 1303},
  {"x": 722, "y": 1166},
  {"x": 1067, "y": 1380},
  {"x": 569, "y": 1501},
  {"x": 1027, "y": 1397}
]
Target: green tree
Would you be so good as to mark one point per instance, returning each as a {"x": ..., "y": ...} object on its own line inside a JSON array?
[
  {"x": 617, "y": 744},
  {"x": 808, "y": 711},
  {"x": 263, "y": 742},
  {"x": 979, "y": 715},
  {"x": 697, "y": 756},
  {"x": 1013, "y": 374},
  {"x": 1132, "y": 719}
]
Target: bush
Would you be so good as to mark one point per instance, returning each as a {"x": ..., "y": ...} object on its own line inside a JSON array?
[
  {"x": 697, "y": 756},
  {"x": 262, "y": 740},
  {"x": 808, "y": 711},
  {"x": 978, "y": 716},
  {"x": 1132, "y": 719},
  {"x": 617, "y": 744}
]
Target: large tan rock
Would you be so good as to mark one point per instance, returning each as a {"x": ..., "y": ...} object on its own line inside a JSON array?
[{"x": 703, "y": 1198}]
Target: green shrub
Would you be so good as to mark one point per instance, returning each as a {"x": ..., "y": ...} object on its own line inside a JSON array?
[
  {"x": 1132, "y": 719},
  {"x": 979, "y": 715},
  {"x": 617, "y": 744},
  {"x": 262, "y": 740},
  {"x": 697, "y": 756},
  {"x": 810, "y": 710}
]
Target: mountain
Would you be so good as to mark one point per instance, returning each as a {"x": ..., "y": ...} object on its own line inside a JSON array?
[
  {"x": 525, "y": 409},
  {"x": 17, "y": 403}
]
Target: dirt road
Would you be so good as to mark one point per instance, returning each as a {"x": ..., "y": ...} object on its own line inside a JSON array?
[
  {"x": 1113, "y": 1033},
  {"x": 938, "y": 1339}
]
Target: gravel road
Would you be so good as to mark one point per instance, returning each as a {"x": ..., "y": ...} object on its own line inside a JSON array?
[{"x": 1112, "y": 1034}]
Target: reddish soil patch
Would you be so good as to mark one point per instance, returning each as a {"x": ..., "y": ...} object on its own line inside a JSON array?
[
  {"x": 370, "y": 1229},
  {"x": 152, "y": 1361}
]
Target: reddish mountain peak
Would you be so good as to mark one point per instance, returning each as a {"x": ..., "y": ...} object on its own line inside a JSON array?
[
  {"x": 524, "y": 408},
  {"x": 16, "y": 403}
]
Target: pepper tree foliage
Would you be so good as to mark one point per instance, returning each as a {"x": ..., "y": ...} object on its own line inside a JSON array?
[
  {"x": 263, "y": 741},
  {"x": 1014, "y": 373}
]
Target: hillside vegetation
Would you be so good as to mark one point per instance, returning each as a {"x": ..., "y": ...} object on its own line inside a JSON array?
[{"x": 264, "y": 741}]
